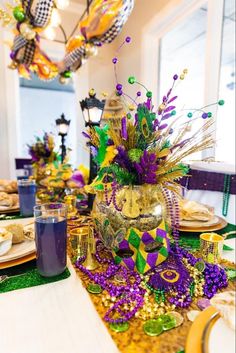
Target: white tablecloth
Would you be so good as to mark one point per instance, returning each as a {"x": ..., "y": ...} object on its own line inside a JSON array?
[{"x": 56, "y": 318}]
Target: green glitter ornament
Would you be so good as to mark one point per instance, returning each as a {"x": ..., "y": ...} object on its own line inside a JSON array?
[
  {"x": 221, "y": 102},
  {"x": 67, "y": 74},
  {"x": 149, "y": 94},
  {"x": 18, "y": 14},
  {"x": 129, "y": 116},
  {"x": 131, "y": 80},
  {"x": 190, "y": 115},
  {"x": 173, "y": 112},
  {"x": 209, "y": 115}
]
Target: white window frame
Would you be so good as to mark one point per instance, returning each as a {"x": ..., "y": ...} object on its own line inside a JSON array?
[{"x": 172, "y": 14}]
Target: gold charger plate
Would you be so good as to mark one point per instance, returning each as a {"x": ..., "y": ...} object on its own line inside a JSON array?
[
  {"x": 220, "y": 225},
  {"x": 17, "y": 262},
  {"x": 196, "y": 339}
]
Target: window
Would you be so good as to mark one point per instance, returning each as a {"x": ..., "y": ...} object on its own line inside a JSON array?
[
  {"x": 41, "y": 104},
  {"x": 225, "y": 148},
  {"x": 199, "y": 35},
  {"x": 184, "y": 47}
]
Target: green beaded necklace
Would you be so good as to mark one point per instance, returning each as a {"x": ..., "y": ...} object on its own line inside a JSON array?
[{"x": 226, "y": 195}]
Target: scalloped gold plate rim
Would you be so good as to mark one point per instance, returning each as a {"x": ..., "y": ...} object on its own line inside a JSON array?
[{"x": 17, "y": 262}]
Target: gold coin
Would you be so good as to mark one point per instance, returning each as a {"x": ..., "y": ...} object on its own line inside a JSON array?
[{"x": 178, "y": 318}]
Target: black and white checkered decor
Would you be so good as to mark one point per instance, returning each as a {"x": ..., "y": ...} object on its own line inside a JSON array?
[
  {"x": 26, "y": 4},
  {"x": 42, "y": 13},
  {"x": 113, "y": 32},
  {"x": 28, "y": 55},
  {"x": 19, "y": 42},
  {"x": 73, "y": 60}
]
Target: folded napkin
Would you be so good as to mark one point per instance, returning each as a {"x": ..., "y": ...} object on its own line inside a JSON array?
[
  {"x": 194, "y": 211},
  {"x": 225, "y": 304}
]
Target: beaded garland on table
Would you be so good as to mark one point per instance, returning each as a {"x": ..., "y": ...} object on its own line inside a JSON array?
[{"x": 175, "y": 284}]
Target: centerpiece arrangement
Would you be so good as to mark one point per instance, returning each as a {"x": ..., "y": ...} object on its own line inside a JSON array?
[
  {"x": 52, "y": 177},
  {"x": 144, "y": 272}
]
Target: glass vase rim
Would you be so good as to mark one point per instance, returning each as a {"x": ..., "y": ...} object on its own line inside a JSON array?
[
  {"x": 26, "y": 182},
  {"x": 53, "y": 207}
]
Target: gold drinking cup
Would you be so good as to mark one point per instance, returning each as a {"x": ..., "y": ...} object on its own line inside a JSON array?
[
  {"x": 211, "y": 247},
  {"x": 78, "y": 239},
  {"x": 70, "y": 201}
]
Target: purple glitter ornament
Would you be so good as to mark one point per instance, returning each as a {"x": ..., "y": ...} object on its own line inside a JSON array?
[
  {"x": 128, "y": 39},
  {"x": 139, "y": 94},
  {"x": 114, "y": 60},
  {"x": 175, "y": 77},
  {"x": 119, "y": 87},
  {"x": 12, "y": 55}
]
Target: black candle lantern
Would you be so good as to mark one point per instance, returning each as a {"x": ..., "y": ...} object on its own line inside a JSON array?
[
  {"x": 92, "y": 109},
  {"x": 63, "y": 128}
]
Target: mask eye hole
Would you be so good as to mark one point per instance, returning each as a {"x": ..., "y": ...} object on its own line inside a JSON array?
[
  {"x": 125, "y": 253},
  {"x": 154, "y": 246}
]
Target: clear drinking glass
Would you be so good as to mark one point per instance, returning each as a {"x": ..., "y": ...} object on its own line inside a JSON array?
[
  {"x": 51, "y": 238},
  {"x": 27, "y": 196}
]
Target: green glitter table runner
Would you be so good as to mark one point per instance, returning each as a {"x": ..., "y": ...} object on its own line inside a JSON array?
[
  {"x": 27, "y": 276},
  {"x": 192, "y": 240},
  {"x": 12, "y": 216}
]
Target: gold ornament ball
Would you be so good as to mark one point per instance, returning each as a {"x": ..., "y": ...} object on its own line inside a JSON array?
[
  {"x": 13, "y": 65},
  {"x": 182, "y": 77},
  {"x": 63, "y": 80},
  {"x": 185, "y": 71},
  {"x": 90, "y": 50},
  {"x": 131, "y": 108},
  {"x": 27, "y": 31}
]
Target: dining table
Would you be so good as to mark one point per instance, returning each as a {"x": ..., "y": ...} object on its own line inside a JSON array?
[{"x": 57, "y": 317}]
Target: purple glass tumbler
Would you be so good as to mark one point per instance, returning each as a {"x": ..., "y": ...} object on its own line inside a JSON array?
[
  {"x": 50, "y": 238},
  {"x": 27, "y": 196}
]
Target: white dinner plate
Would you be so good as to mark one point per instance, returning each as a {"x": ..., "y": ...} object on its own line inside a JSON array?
[
  {"x": 221, "y": 338},
  {"x": 17, "y": 251},
  {"x": 215, "y": 220}
]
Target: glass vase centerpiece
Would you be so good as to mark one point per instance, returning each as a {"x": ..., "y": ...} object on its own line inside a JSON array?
[{"x": 140, "y": 160}]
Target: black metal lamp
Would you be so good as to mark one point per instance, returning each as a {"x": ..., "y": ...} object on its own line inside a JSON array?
[
  {"x": 92, "y": 109},
  {"x": 63, "y": 128}
]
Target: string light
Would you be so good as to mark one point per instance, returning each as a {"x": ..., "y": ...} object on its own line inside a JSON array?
[
  {"x": 62, "y": 4},
  {"x": 55, "y": 18},
  {"x": 50, "y": 33}
]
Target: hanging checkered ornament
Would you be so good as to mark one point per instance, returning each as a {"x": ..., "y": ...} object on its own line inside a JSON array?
[
  {"x": 42, "y": 13},
  {"x": 73, "y": 59},
  {"x": 114, "y": 31}
]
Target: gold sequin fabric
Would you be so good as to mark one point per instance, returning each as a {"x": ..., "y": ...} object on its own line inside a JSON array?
[{"x": 135, "y": 340}]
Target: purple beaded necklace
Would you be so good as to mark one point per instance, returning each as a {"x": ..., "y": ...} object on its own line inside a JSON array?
[
  {"x": 113, "y": 200},
  {"x": 130, "y": 293}
]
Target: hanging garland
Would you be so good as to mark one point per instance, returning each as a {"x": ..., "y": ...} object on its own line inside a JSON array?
[{"x": 102, "y": 25}]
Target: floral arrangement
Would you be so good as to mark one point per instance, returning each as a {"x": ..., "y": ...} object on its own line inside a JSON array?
[
  {"x": 42, "y": 151},
  {"x": 52, "y": 176},
  {"x": 146, "y": 274},
  {"x": 149, "y": 146},
  {"x": 59, "y": 177}
]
